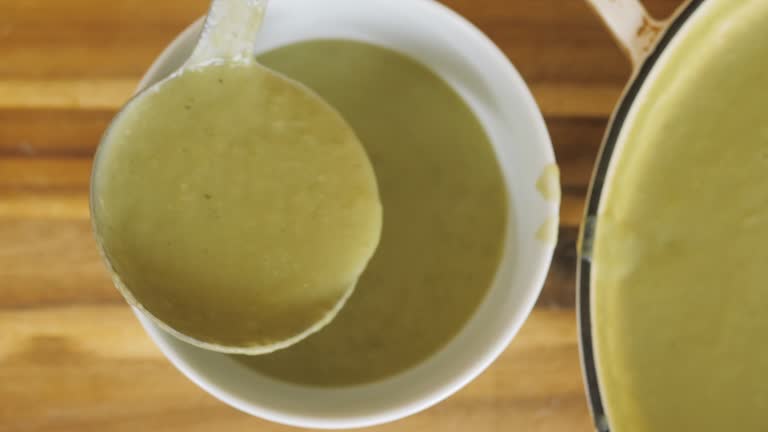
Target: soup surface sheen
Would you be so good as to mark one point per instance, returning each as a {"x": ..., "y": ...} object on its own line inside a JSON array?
[{"x": 680, "y": 262}]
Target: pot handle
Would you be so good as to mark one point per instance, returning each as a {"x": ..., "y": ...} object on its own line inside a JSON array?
[{"x": 632, "y": 27}]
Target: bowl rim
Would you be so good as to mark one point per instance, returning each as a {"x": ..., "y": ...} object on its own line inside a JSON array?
[{"x": 438, "y": 393}]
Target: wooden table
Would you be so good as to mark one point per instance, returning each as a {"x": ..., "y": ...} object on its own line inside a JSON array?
[{"x": 73, "y": 358}]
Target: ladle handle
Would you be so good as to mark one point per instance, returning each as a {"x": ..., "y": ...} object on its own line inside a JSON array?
[
  {"x": 229, "y": 31},
  {"x": 631, "y": 25}
]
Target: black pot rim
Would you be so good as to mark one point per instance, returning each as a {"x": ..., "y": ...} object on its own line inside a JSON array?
[{"x": 583, "y": 279}]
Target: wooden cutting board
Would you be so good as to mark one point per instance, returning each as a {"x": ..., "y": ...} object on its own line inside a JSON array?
[{"x": 73, "y": 358}]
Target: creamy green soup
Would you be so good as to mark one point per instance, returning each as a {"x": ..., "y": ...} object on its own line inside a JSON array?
[
  {"x": 445, "y": 213},
  {"x": 680, "y": 262},
  {"x": 235, "y": 207}
]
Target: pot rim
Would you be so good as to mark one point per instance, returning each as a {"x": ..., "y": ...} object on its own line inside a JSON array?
[{"x": 594, "y": 195}]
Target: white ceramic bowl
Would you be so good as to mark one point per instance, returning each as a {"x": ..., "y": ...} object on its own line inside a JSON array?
[{"x": 478, "y": 70}]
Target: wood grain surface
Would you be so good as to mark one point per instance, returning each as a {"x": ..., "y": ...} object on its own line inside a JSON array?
[{"x": 73, "y": 358}]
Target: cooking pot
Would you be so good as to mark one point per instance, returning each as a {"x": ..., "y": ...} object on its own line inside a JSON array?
[{"x": 644, "y": 40}]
